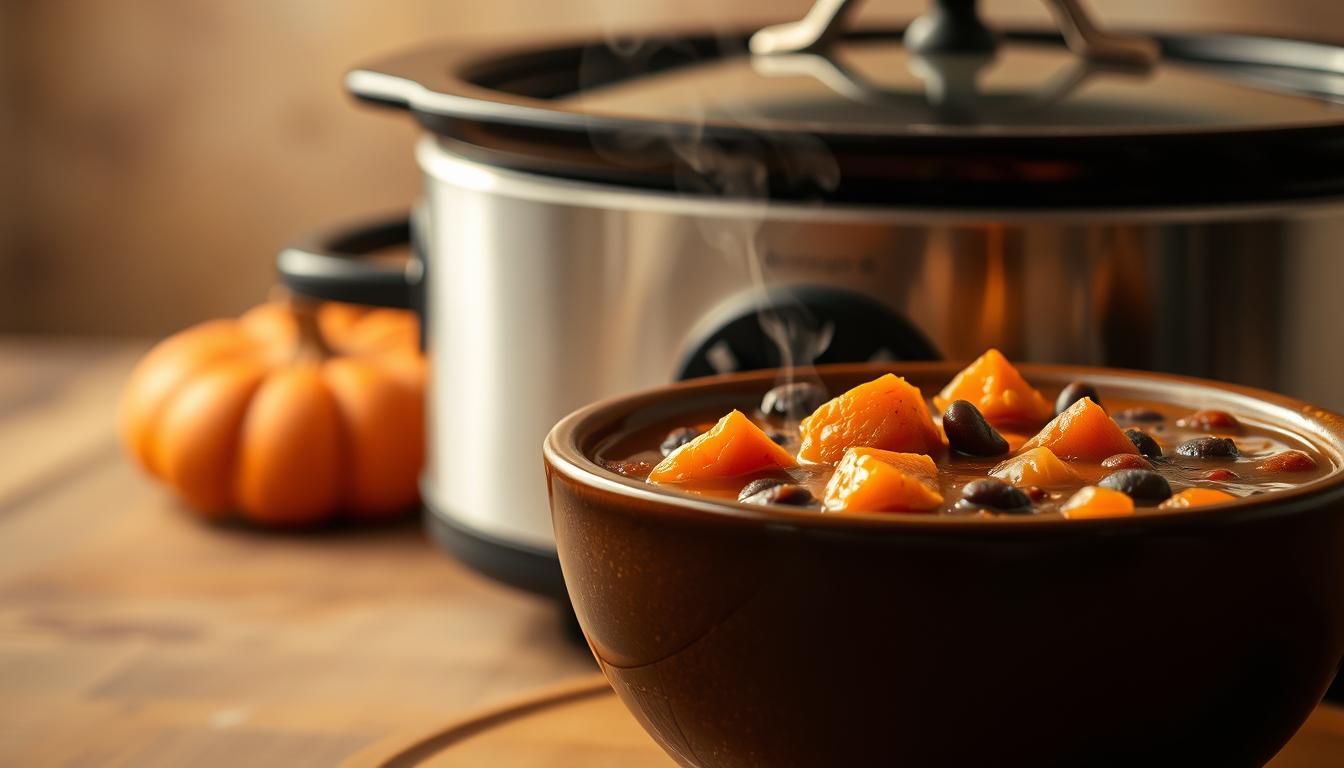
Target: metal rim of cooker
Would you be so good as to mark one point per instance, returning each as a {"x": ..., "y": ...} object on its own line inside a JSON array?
[
  {"x": 1119, "y": 169},
  {"x": 454, "y": 162}
]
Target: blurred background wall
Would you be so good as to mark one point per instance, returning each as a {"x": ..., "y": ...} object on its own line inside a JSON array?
[{"x": 154, "y": 154}]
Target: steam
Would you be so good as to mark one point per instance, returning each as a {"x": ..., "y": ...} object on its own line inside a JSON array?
[{"x": 718, "y": 152}]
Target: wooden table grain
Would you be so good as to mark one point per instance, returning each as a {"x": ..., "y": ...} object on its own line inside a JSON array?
[{"x": 133, "y": 635}]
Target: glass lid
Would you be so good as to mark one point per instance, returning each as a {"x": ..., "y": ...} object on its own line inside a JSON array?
[
  {"x": 943, "y": 113},
  {"x": 878, "y": 87}
]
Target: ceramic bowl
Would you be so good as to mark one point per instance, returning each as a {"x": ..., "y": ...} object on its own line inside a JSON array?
[{"x": 756, "y": 636}]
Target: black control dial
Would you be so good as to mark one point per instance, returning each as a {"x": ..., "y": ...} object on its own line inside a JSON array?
[{"x": 802, "y": 325}]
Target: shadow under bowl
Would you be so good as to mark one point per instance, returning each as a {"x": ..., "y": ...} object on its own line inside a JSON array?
[{"x": 757, "y": 636}]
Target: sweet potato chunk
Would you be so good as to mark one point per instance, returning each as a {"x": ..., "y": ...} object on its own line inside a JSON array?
[
  {"x": 1083, "y": 432},
  {"x": 874, "y": 480},
  {"x": 1095, "y": 501},
  {"x": 1038, "y": 466},
  {"x": 887, "y": 412},
  {"x": 1196, "y": 497},
  {"x": 732, "y": 447},
  {"x": 1288, "y": 461},
  {"x": 994, "y": 386}
]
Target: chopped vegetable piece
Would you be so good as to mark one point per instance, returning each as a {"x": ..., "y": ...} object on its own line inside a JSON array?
[
  {"x": 993, "y": 385},
  {"x": 1038, "y": 466},
  {"x": 1196, "y": 497},
  {"x": 1126, "y": 461},
  {"x": 733, "y": 447},
  {"x": 874, "y": 480},
  {"x": 1210, "y": 421},
  {"x": 1084, "y": 432},
  {"x": 1288, "y": 461},
  {"x": 1093, "y": 501},
  {"x": 887, "y": 412}
]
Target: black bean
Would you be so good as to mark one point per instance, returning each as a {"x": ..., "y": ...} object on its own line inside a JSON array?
[
  {"x": 756, "y": 486},
  {"x": 1144, "y": 442},
  {"x": 969, "y": 433},
  {"x": 1144, "y": 486},
  {"x": 792, "y": 401},
  {"x": 1074, "y": 392},
  {"x": 994, "y": 494},
  {"x": 784, "y": 493},
  {"x": 1208, "y": 448},
  {"x": 677, "y": 438},
  {"x": 1139, "y": 414}
]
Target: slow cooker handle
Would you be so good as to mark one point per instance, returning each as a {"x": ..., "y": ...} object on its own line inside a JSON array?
[{"x": 329, "y": 265}]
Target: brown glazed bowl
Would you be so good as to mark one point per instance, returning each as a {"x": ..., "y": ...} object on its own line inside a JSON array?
[{"x": 755, "y": 636}]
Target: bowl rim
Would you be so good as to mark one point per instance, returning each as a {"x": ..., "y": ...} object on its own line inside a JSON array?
[{"x": 1325, "y": 432}]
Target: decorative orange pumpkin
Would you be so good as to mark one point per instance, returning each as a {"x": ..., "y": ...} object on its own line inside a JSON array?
[{"x": 292, "y": 414}]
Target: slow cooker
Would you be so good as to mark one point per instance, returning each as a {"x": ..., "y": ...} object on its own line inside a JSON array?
[{"x": 610, "y": 214}]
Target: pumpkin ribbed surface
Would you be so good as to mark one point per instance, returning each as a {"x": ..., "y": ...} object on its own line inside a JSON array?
[{"x": 286, "y": 415}]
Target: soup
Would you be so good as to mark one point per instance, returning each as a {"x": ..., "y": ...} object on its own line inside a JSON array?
[{"x": 989, "y": 444}]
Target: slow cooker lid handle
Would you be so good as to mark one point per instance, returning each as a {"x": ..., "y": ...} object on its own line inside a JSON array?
[{"x": 954, "y": 26}]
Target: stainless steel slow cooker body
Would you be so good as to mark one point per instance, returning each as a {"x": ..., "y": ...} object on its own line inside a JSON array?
[
  {"x": 565, "y": 255},
  {"x": 545, "y": 294}
]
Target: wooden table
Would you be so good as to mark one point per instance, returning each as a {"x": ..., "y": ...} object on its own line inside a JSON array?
[
  {"x": 582, "y": 724},
  {"x": 132, "y": 635}
]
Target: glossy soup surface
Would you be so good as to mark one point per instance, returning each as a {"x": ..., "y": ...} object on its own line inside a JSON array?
[{"x": 634, "y": 454}]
